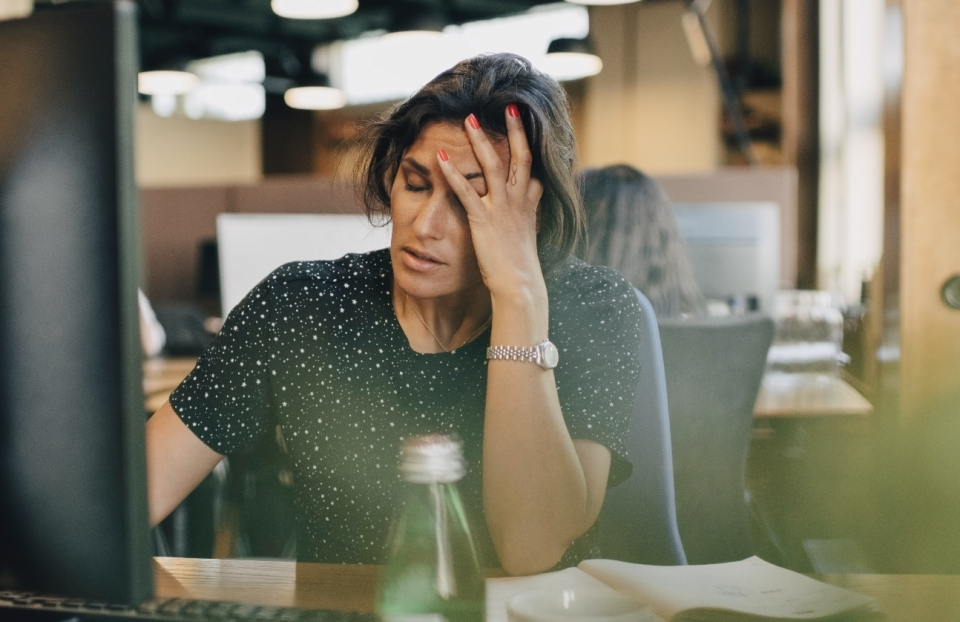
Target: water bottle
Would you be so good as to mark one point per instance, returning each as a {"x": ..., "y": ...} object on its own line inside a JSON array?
[{"x": 433, "y": 573}]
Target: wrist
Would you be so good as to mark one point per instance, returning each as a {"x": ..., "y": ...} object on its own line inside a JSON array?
[
  {"x": 525, "y": 295},
  {"x": 520, "y": 317}
]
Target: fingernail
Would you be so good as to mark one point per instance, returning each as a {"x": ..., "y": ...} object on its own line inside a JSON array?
[
  {"x": 472, "y": 120},
  {"x": 513, "y": 111},
  {"x": 443, "y": 155}
]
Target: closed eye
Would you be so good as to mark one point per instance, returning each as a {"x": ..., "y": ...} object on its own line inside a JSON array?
[
  {"x": 412, "y": 188},
  {"x": 457, "y": 205}
]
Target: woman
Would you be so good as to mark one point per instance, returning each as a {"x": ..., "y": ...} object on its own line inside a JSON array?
[
  {"x": 631, "y": 228},
  {"x": 353, "y": 355}
]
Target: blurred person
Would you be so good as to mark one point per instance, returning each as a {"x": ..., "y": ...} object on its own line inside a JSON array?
[{"x": 631, "y": 228}]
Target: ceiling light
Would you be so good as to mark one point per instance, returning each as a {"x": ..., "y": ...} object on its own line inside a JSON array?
[
  {"x": 315, "y": 98},
  {"x": 570, "y": 59},
  {"x": 239, "y": 67},
  {"x": 239, "y": 101},
  {"x": 601, "y": 2},
  {"x": 15, "y": 9},
  {"x": 166, "y": 82},
  {"x": 313, "y": 9}
]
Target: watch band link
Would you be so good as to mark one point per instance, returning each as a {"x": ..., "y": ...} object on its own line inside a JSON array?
[{"x": 513, "y": 353}]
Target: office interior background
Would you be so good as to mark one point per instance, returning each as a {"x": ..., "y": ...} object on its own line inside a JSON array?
[{"x": 848, "y": 108}]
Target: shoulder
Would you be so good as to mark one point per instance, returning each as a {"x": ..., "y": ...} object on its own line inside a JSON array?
[
  {"x": 575, "y": 283},
  {"x": 592, "y": 304}
]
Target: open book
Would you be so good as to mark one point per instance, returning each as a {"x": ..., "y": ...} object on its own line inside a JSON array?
[{"x": 751, "y": 589}]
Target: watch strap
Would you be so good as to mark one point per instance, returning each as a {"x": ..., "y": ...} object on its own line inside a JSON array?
[
  {"x": 543, "y": 354},
  {"x": 514, "y": 353}
]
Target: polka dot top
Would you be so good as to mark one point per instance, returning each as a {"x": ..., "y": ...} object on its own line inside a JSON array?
[{"x": 316, "y": 348}]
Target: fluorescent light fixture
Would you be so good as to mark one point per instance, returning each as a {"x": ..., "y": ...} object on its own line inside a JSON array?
[
  {"x": 230, "y": 88},
  {"x": 227, "y": 102},
  {"x": 15, "y": 9},
  {"x": 313, "y": 9},
  {"x": 376, "y": 69},
  {"x": 315, "y": 98},
  {"x": 570, "y": 65},
  {"x": 601, "y": 2},
  {"x": 166, "y": 82},
  {"x": 231, "y": 68}
]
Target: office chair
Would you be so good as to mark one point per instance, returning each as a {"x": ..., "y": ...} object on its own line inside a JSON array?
[
  {"x": 639, "y": 521},
  {"x": 713, "y": 367}
]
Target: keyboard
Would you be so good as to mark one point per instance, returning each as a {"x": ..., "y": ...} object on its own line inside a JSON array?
[{"x": 32, "y": 607}]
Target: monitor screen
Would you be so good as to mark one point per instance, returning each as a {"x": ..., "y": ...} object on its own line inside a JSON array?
[
  {"x": 734, "y": 248},
  {"x": 73, "y": 516},
  {"x": 251, "y": 246}
]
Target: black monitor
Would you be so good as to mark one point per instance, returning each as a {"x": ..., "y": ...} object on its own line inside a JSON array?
[{"x": 73, "y": 515}]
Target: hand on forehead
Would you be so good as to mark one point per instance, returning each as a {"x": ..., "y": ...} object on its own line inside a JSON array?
[{"x": 453, "y": 140}]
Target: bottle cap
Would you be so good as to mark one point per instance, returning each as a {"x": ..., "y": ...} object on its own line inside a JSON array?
[{"x": 432, "y": 458}]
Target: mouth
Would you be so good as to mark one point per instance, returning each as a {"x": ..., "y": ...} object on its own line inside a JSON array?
[{"x": 421, "y": 256}]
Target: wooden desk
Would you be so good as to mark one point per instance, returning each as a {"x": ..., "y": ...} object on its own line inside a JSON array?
[
  {"x": 781, "y": 395},
  {"x": 161, "y": 376},
  {"x": 904, "y": 598},
  {"x": 808, "y": 395}
]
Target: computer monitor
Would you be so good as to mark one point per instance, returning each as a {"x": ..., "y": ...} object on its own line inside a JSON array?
[
  {"x": 251, "y": 246},
  {"x": 73, "y": 510},
  {"x": 734, "y": 248}
]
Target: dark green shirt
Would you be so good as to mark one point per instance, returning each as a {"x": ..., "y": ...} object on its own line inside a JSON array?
[{"x": 316, "y": 348}]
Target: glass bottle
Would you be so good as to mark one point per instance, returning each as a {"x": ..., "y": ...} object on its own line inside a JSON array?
[{"x": 433, "y": 573}]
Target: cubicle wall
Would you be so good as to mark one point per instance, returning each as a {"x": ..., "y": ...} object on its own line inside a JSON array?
[
  {"x": 176, "y": 220},
  {"x": 735, "y": 185}
]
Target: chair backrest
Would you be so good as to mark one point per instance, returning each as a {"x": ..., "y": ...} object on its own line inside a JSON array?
[
  {"x": 714, "y": 367},
  {"x": 639, "y": 521}
]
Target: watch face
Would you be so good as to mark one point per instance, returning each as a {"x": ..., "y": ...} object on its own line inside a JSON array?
[{"x": 551, "y": 356}]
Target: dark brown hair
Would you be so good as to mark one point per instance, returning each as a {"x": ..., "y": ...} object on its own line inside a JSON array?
[
  {"x": 485, "y": 85},
  {"x": 632, "y": 229}
]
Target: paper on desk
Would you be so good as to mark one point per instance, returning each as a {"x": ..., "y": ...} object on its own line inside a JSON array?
[
  {"x": 499, "y": 591},
  {"x": 751, "y": 586}
]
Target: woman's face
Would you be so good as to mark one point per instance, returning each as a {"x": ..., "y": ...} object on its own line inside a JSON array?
[{"x": 431, "y": 248}]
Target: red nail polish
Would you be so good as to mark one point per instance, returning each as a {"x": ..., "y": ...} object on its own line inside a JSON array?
[
  {"x": 472, "y": 120},
  {"x": 513, "y": 111},
  {"x": 443, "y": 155}
]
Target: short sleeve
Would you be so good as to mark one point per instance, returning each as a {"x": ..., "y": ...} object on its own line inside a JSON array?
[
  {"x": 226, "y": 399},
  {"x": 597, "y": 331}
]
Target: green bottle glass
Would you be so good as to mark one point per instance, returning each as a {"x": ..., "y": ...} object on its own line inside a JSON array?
[{"x": 433, "y": 573}]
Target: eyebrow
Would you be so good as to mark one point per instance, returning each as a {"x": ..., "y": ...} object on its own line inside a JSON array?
[{"x": 423, "y": 170}]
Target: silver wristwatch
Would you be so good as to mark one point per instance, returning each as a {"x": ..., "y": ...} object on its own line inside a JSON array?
[{"x": 543, "y": 354}]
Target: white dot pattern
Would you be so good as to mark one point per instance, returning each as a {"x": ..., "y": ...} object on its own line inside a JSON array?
[{"x": 316, "y": 348}]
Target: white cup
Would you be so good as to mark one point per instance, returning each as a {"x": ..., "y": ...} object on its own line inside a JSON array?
[{"x": 577, "y": 605}]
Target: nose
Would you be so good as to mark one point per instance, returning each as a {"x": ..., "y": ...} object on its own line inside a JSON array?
[{"x": 430, "y": 220}]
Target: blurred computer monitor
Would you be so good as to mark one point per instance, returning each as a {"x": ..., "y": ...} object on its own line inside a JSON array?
[
  {"x": 251, "y": 246},
  {"x": 734, "y": 249},
  {"x": 73, "y": 510}
]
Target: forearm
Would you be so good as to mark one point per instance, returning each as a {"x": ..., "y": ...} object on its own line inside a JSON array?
[
  {"x": 535, "y": 489},
  {"x": 177, "y": 461}
]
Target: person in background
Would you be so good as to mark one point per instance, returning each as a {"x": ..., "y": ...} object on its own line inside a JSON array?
[{"x": 631, "y": 228}]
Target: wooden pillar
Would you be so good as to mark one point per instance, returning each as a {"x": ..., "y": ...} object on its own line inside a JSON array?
[
  {"x": 800, "y": 137},
  {"x": 287, "y": 139},
  {"x": 930, "y": 203}
]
